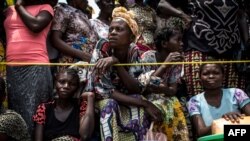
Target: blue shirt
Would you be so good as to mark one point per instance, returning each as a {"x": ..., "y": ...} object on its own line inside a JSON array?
[{"x": 233, "y": 100}]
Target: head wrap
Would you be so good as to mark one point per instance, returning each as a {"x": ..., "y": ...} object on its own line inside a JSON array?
[{"x": 127, "y": 16}]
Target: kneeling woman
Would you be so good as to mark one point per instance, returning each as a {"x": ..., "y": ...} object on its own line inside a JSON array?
[{"x": 122, "y": 112}]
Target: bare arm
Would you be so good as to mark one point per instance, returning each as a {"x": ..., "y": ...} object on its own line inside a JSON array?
[
  {"x": 63, "y": 47},
  {"x": 87, "y": 122},
  {"x": 152, "y": 110},
  {"x": 243, "y": 26},
  {"x": 34, "y": 23},
  {"x": 166, "y": 8},
  {"x": 39, "y": 132},
  {"x": 199, "y": 125},
  {"x": 129, "y": 82},
  {"x": 246, "y": 109}
]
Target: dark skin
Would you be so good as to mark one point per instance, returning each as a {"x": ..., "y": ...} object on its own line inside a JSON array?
[
  {"x": 61, "y": 45},
  {"x": 170, "y": 52},
  {"x": 243, "y": 26},
  {"x": 116, "y": 33},
  {"x": 165, "y": 7},
  {"x": 120, "y": 37},
  {"x": 87, "y": 122},
  {"x": 34, "y": 23},
  {"x": 212, "y": 78},
  {"x": 106, "y": 8},
  {"x": 66, "y": 86}
]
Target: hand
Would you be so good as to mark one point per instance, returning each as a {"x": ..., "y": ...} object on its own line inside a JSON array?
[
  {"x": 174, "y": 57},
  {"x": 233, "y": 116},
  {"x": 187, "y": 19},
  {"x": 19, "y": 3},
  {"x": 153, "y": 111},
  {"x": 103, "y": 64},
  {"x": 87, "y": 95}
]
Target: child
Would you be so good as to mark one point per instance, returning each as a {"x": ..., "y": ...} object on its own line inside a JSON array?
[
  {"x": 161, "y": 82},
  {"x": 65, "y": 118},
  {"x": 12, "y": 125},
  {"x": 216, "y": 102}
]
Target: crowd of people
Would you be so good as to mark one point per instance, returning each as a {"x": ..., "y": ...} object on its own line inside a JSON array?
[{"x": 105, "y": 101}]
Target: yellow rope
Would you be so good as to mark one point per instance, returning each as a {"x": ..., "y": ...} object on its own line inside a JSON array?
[{"x": 125, "y": 64}]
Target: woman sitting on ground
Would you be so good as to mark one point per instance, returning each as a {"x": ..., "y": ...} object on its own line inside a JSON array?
[{"x": 216, "y": 102}]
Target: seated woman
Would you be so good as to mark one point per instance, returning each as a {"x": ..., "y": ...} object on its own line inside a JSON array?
[
  {"x": 12, "y": 125},
  {"x": 122, "y": 114},
  {"x": 65, "y": 118},
  {"x": 216, "y": 102},
  {"x": 161, "y": 81}
]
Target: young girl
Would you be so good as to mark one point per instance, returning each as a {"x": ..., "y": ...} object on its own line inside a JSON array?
[
  {"x": 161, "y": 81},
  {"x": 65, "y": 118},
  {"x": 216, "y": 102}
]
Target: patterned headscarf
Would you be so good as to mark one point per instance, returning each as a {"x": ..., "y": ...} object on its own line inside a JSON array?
[{"x": 127, "y": 16}]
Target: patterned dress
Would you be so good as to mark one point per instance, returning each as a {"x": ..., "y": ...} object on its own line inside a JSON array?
[
  {"x": 214, "y": 35},
  {"x": 118, "y": 122},
  {"x": 174, "y": 123},
  {"x": 100, "y": 28},
  {"x": 76, "y": 29},
  {"x": 145, "y": 19}
]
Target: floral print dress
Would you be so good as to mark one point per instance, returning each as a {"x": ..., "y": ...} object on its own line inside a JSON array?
[
  {"x": 174, "y": 123},
  {"x": 76, "y": 29},
  {"x": 118, "y": 122}
]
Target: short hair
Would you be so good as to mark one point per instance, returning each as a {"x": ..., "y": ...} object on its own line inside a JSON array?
[
  {"x": 173, "y": 25},
  {"x": 72, "y": 72}
]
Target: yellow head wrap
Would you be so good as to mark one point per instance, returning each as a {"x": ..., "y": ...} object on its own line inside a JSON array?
[{"x": 127, "y": 16}]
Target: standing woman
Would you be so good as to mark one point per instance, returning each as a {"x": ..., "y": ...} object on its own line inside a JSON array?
[
  {"x": 72, "y": 33},
  {"x": 146, "y": 19},
  {"x": 122, "y": 113},
  {"x": 27, "y": 24},
  {"x": 102, "y": 22}
]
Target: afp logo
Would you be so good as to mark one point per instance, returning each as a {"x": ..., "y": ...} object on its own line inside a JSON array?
[{"x": 236, "y": 132}]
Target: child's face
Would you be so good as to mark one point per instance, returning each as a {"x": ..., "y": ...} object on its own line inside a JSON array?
[
  {"x": 175, "y": 43},
  {"x": 211, "y": 76},
  {"x": 66, "y": 85}
]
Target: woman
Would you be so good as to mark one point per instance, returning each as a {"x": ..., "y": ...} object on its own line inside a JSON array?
[
  {"x": 27, "y": 25},
  {"x": 122, "y": 115},
  {"x": 12, "y": 126},
  {"x": 145, "y": 17},
  {"x": 161, "y": 82},
  {"x": 72, "y": 33},
  {"x": 65, "y": 118},
  {"x": 218, "y": 30},
  {"x": 102, "y": 22},
  {"x": 216, "y": 102}
]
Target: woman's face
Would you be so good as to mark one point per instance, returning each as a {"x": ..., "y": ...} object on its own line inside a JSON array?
[
  {"x": 175, "y": 42},
  {"x": 80, "y": 4},
  {"x": 211, "y": 76},
  {"x": 107, "y": 6},
  {"x": 66, "y": 85},
  {"x": 119, "y": 34}
]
